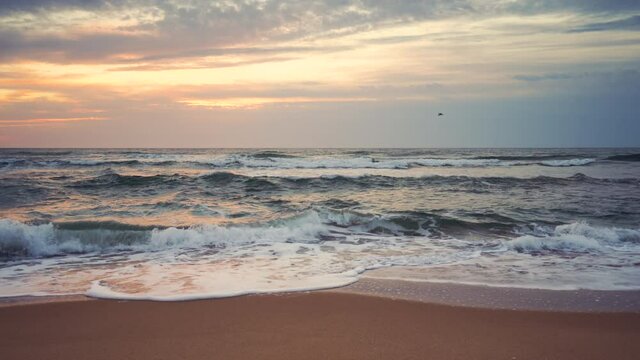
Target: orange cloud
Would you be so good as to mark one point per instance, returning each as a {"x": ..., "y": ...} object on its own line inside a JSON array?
[
  {"x": 46, "y": 121},
  {"x": 8, "y": 95},
  {"x": 257, "y": 102}
]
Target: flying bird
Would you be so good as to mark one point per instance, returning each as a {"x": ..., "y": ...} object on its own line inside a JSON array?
[{"x": 440, "y": 114}]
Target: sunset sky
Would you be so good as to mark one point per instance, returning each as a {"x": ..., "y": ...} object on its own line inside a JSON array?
[{"x": 332, "y": 73}]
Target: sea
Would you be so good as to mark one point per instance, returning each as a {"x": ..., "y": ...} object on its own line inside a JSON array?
[{"x": 179, "y": 224}]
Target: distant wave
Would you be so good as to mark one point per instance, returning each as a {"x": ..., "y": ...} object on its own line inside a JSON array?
[
  {"x": 568, "y": 162},
  {"x": 532, "y": 158},
  {"x": 286, "y": 161},
  {"x": 627, "y": 157},
  {"x": 114, "y": 179},
  {"x": 269, "y": 183},
  {"x": 79, "y": 163},
  {"x": 386, "y": 163},
  {"x": 271, "y": 154}
]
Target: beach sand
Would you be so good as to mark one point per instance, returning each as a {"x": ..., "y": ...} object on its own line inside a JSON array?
[{"x": 318, "y": 325}]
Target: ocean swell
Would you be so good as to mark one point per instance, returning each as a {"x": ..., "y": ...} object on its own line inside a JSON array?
[{"x": 276, "y": 160}]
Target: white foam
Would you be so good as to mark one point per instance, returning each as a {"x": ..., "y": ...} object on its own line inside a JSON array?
[
  {"x": 301, "y": 229},
  {"x": 34, "y": 240},
  {"x": 45, "y": 240},
  {"x": 578, "y": 237},
  {"x": 307, "y": 253},
  {"x": 568, "y": 162},
  {"x": 547, "y": 286},
  {"x": 99, "y": 290}
]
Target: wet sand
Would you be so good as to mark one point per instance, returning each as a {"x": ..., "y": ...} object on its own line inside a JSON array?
[
  {"x": 498, "y": 297},
  {"x": 319, "y": 325}
]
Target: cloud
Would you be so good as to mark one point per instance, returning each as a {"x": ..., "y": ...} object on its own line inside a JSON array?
[
  {"x": 46, "y": 121},
  {"x": 578, "y": 6},
  {"x": 611, "y": 87},
  {"x": 8, "y": 6},
  {"x": 49, "y": 30},
  {"x": 395, "y": 39},
  {"x": 544, "y": 77},
  {"x": 631, "y": 23},
  {"x": 239, "y": 51},
  {"x": 186, "y": 62},
  {"x": 200, "y": 64},
  {"x": 628, "y": 74}
]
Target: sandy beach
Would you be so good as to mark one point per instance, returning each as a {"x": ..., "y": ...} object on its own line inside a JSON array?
[{"x": 319, "y": 325}]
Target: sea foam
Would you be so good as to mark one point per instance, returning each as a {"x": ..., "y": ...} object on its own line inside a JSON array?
[
  {"x": 578, "y": 237},
  {"x": 306, "y": 252}
]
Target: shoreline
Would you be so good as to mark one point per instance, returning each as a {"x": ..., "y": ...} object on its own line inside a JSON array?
[
  {"x": 44, "y": 299},
  {"x": 437, "y": 293},
  {"x": 498, "y": 297},
  {"x": 312, "y": 325}
]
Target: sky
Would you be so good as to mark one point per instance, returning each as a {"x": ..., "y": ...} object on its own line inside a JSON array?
[{"x": 320, "y": 73}]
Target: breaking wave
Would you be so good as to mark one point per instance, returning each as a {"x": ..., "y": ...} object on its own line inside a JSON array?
[
  {"x": 41, "y": 240},
  {"x": 577, "y": 238},
  {"x": 313, "y": 250}
]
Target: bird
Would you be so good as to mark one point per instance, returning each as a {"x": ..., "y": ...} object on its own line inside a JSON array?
[{"x": 440, "y": 114}]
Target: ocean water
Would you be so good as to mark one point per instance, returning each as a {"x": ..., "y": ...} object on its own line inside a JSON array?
[{"x": 171, "y": 224}]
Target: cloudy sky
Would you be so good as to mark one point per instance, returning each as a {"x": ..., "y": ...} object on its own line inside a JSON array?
[{"x": 329, "y": 73}]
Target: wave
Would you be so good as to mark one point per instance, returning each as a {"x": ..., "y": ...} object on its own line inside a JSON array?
[
  {"x": 385, "y": 163},
  {"x": 238, "y": 182},
  {"x": 565, "y": 162},
  {"x": 313, "y": 250},
  {"x": 625, "y": 157},
  {"x": 371, "y": 181},
  {"x": 113, "y": 179},
  {"x": 40, "y": 240},
  {"x": 23, "y": 240},
  {"x": 533, "y": 158},
  {"x": 577, "y": 237},
  {"x": 271, "y": 154},
  {"x": 18, "y": 240},
  {"x": 24, "y": 163},
  {"x": 312, "y": 226},
  {"x": 286, "y": 161}
]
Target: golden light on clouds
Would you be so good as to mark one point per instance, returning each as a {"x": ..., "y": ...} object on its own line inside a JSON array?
[
  {"x": 46, "y": 121},
  {"x": 9, "y": 95},
  {"x": 255, "y": 103},
  {"x": 126, "y": 60}
]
